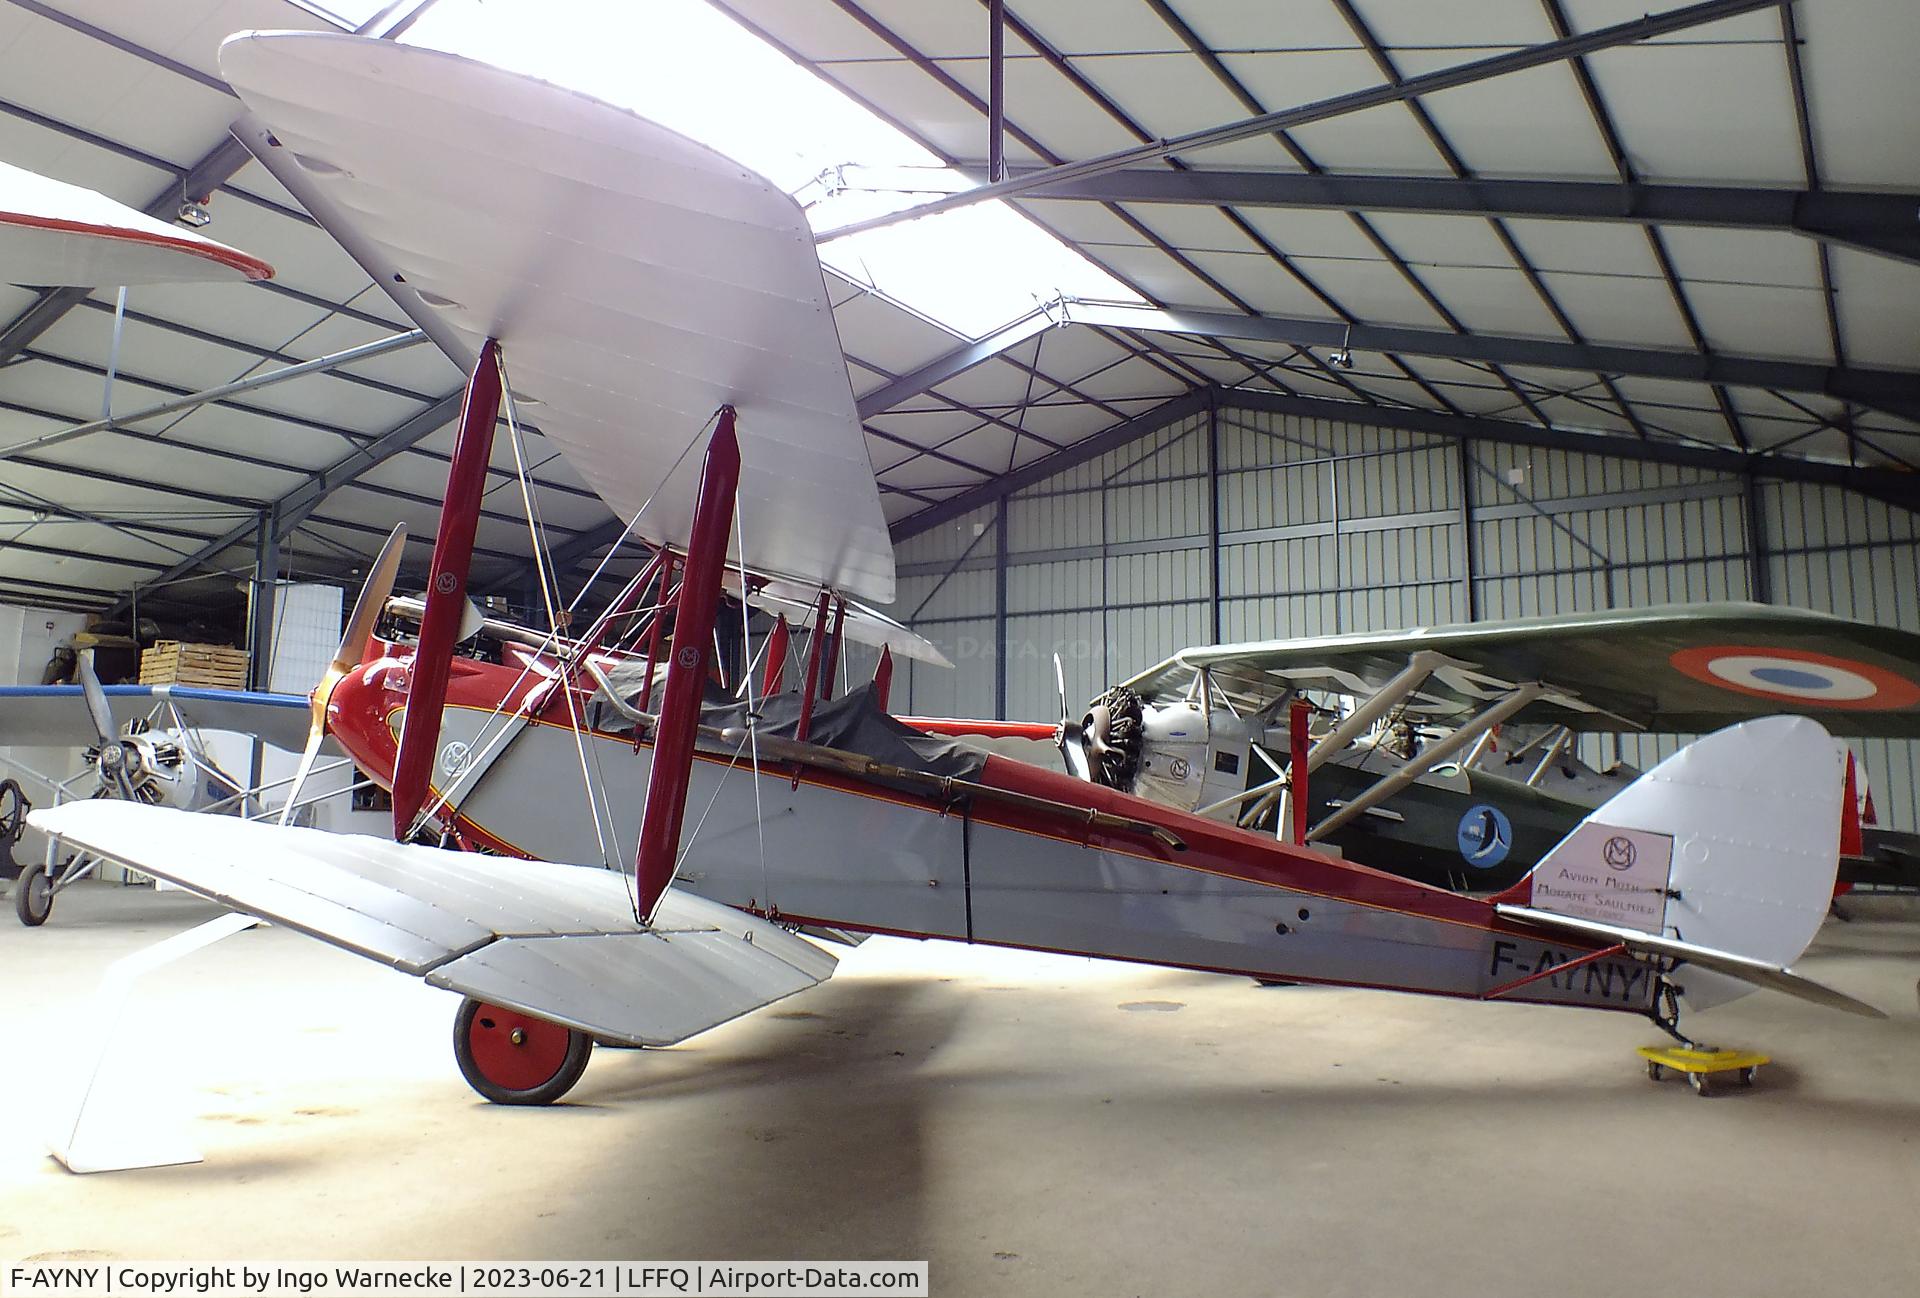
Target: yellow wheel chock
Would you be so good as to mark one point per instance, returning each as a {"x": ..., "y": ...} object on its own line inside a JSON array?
[{"x": 1697, "y": 1066}]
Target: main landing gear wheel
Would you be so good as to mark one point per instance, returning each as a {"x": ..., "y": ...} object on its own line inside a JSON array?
[
  {"x": 33, "y": 896},
  {"x": 514, "y": 1058}
]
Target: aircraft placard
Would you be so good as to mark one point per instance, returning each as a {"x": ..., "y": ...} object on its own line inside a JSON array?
[{"x": 1608, "y": 873}]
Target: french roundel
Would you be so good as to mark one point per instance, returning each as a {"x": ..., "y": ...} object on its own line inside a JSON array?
[{"x": 1797, "y": 676}]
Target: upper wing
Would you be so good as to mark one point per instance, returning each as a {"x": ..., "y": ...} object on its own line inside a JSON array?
[
  {"x": 55, "y": 716},
  {"x": 556, "y": 941},
  {"x": 56, "y": 234},
  {"x": 636, "y": 280},
  {"x": 1676, "y": 668}
]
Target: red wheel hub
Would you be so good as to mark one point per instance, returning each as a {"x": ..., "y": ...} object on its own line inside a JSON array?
[{"x": 515, "y": 1051}]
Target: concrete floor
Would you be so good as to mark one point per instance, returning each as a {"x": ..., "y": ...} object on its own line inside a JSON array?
[{"x": 1028, "y": 1124}]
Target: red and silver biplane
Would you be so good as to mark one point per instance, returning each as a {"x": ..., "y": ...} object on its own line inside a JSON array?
[{"x": 666, "y": 309}]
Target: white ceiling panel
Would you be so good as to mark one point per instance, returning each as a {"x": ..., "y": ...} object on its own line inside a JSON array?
[
  {"x": 885, "y": 336},
  {"x": 1586, "y": 247},
  {"x": 1262, "y": 281},
  {"x": 1158, "y": 276},
  {"x": 1167, "y": 94},
  {"x": 1686, "y": 112},
  {"x": 1373, "y": 291},
  {"x": 1879, "y": 303},
  {"x": 1431, "y": 240},
  {"x": 1752, "y": 320},
  {"x": 1041, "y": 102},
  {"x": 1858, "y": 58},
  {"x": 1491, "y": 299},
  {"x": 1635, "y": 310},
  {"x": 1752, "y": 257},
  {"x": 1479, "y": 120},
  {"x": 1307, "y": 232},
  {"x": 819, "y": 33},
  {"x": 1386, "y": 140}
]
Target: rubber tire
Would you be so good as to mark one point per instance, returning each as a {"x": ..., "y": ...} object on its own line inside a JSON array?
[
  {"x": 1699, "y": 1083},
  {"x": 1654, "y": 1071},
  {"x": 579, "y": 1051},
  {"x": 33, "y": 896}
]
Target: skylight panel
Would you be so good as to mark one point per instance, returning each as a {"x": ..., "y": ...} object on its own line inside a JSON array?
[
  {"x": 689, "y": 67},
  {"x": 348, "y": 15}
]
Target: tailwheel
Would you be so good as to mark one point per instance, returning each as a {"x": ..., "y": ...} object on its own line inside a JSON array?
[
  {"x": 514, "y": 1058},
  {"x": 33, "y": 896}
]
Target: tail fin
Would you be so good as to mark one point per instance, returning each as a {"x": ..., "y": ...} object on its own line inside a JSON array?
[{"x": 1722, "y": 856}]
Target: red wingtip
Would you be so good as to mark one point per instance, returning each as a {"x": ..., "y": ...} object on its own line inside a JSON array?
[
  {"x": 1851, "y": 843},
  {"x": 1851, "y": 840}
]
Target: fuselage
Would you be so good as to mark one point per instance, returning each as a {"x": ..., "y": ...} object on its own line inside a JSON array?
[{"x": 1015, "y": 863}]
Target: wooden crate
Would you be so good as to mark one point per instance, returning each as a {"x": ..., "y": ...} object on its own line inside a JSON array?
[{"x": 213, "y": 666}]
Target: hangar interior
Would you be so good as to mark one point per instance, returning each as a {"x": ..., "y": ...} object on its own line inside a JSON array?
[{"x": 1367, "y": 315}]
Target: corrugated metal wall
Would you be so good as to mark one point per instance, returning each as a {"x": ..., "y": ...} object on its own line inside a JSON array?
[{"x": 1264, "y": 526}]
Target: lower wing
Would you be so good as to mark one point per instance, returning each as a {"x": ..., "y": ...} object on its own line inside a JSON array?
[{"x": 556, "y": 941}]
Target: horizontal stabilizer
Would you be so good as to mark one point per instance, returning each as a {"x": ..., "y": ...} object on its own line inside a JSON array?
[
  {"x": 1757, "y": 972},
  {"x": 556, "y": 941}
]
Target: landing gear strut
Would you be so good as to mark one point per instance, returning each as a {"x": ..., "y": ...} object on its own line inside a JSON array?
[{"x": 514, "y": 1058}]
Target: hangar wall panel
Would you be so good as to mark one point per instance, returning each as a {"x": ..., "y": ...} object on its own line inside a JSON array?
[{"x": 1254, "y": 525}]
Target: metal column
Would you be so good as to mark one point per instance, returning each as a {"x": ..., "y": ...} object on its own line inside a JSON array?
[
  {"x": 1759, "y": 574},
  {"x": 1213, "y": 517},
  {"x": 996, "y": 90},
  {"x": 1000, "y": 609},
  {"x": 1468, "y": 549},
  {"x": 260, "y": 608}
]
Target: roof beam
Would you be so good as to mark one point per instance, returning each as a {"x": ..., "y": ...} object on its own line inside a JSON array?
[
  {"x": 958, "y": 361},
  {"x": 1164, "y": 415},
  {"x": 192, "y": 400},
  {"x": 1897, "y": 392},
  {"x": 1894, "y": 488},
  {"x": 293, "y": 508},
  {"x": 1531, "y": 56},
  {"x": 1880, "y": 222}
]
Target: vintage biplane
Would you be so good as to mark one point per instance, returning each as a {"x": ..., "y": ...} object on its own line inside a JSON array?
[
  {"x": 140, "y": 743},
  {"x": 1403, "y": 767},
  {"x": 665, "y": 308}
]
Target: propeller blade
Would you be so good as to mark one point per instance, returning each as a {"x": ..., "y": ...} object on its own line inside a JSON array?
[
  {"x": 372, "y": 599},
  {"x": 1070, "y": 737},
  {"x": 353, "y": 647},
  {"x": 97, "y": 708},
  {"x": 311, "y": 751}
]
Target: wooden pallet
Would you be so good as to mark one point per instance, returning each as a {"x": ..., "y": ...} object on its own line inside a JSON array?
[{"x": 211, "y": 666}]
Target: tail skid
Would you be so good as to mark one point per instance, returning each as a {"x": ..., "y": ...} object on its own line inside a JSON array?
[{"x": 1722, "y": 859}]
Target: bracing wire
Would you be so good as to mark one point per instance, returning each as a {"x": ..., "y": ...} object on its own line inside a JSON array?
[
  {"x": 537, "y": 531},
  {"x": 487, "y": 734},
  {"x": 753, "y": 709}
]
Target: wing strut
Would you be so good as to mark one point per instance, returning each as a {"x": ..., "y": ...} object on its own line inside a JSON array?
[
  {"x": 446, "y": 592},
  {"x": 695, "y": 608}
]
